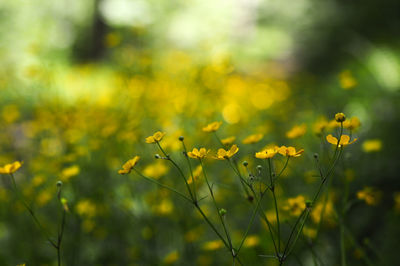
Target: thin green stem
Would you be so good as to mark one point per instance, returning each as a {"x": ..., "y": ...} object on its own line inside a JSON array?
[
  {"x": 32, "y": 213},
  {"x": 216, "y": 206},
  {"x": 191, "y": 171},
  {"x": 251, "y": 220},
  {"x": 162, "y": 185},
  {"x": 272, "y": 188},
  {"x": 177, "y": 167}
]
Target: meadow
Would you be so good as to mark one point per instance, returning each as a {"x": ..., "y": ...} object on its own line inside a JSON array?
[{"x": 128, "y": 145}]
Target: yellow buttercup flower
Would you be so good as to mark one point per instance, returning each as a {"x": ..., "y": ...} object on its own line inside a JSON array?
[
  {"x": 214, "y": 126},
  {"x": 198, "y": 153},
  {"x": 128, "y": 166},
  {"x": 267, "y": 153},
  {"x": 372, "y": 145},
  {"x": 352, "y": 124},
  {"x": 344, "y": 140},
  {"x": 296, "y": 131},
  {"x": 156, "y": 137},
  {"x": 290, "y": 151},
  {"x": 253, "y": 139},
  {"x": 370, "y": 195},
  {"x": 295, "y": 205},
  {"x": 10, "y": 168},
  {"x": 228, "y": 141},
  {"x": 340, "y": 117},
  {"x": 223, "y": 154}
]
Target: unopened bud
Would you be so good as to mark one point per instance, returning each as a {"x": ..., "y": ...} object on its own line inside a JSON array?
[
  {"x": 245, "y": 163},
  {"x": 222, "y": 212},
  {"x": 340, "y": 117},
  {"x": 181, "y": 138}
]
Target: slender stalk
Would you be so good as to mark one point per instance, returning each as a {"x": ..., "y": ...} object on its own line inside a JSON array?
[
  {"x": 162, "y": 185},
  {"x": 177, "y": 167},
  {"x": 191, "y": 171},
  {"x": 216, "y": 206},
  {"x": 32, "y": 213},
  {"x": 272, "y": 188}
]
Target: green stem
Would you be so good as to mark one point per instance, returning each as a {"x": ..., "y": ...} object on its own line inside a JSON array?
[
  {"x": 162, "y": 185},
  {"x": 272, "y": 188},
  {"x": 216, "y": 206},
  {"x": 31, "y": 212},
  {"x": 179, "y": 169},
  {"x": 191, "y": 171}
]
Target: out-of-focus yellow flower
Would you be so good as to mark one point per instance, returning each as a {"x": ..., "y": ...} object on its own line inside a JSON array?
[
  {"x": 198, "y": 153},
  {"x": 296, "y": 131},
  {"x": 370, "y": 195},
  {"x": 156, "y": 170},
  {"x": 86, "y": 208},
  {"x": 212, "y": 245},
  {"x": 228, "y": 141},
  {"x": 319, "y": 126},
  {"x": 157, "y": 137},
  {"x": 10, "y": 168},
  {"x": 253, "y": 139},
  {"x": 295, "y": 205},
  {"x": 310, "y": 232},
  {"x": 196, "y": 174},
  {"x": 214, "y": 126},
  {"x": 317, "y": 210},
  {"x": 290, "y": 151},
  {"x": 251, "y": 241},
  {"x": 346, "y": 79},
  {"x": 372, "y": 145},
  {"x": 164, "y": 207},
  {"x": 223, "y": 154},
  {"x": 344, "y": 140},
  {"x": 267, "y": 153},
  {"x": 69, "y": 172},
  {"x": 128, "y": 166},
  {"x": 171, "y": 257},
  {"x": 352, "y": 123},
  {"x": 44, "y": 197}
]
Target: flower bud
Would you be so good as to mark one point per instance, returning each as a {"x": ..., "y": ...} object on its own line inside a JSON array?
[
  {"x": 222, "y": 212},
  {"x": 308, "y": 203},
  {"x": 316, "y": 156},
  {"x": 259, "y": 167},
  {"x": 245, "y": 163},
  {"x": 157, "y": 156},
  {"x": 59, "y": 184},
  {"x": 181, "y": 138},
  {"x": 340, "y": 117}
]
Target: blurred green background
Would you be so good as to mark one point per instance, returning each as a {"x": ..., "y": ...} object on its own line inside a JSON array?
[{"x": 83, "y": 83}]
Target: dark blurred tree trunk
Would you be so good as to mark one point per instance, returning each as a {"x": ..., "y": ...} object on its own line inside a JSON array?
[{"x": 89, "y": 44}]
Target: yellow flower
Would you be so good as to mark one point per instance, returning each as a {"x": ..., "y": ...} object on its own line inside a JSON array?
[
  {"x": 352, "y": 124},
  {"x": 267, "y": 153},
  {"x": 290, "y": 151},
  {"x": 156, "y": 137},
  {"x": 10, "y": 168},
  {"x": 370, "y": 195},
  {"x": 214, "y": 126},
  {"x": 253, "y": 139},
  {"x": 213, "y": 245},
  {"x": 296, "y": 131},
  {"x": 320, "y": 125},
  {"x": 198, "y": 154},
  {"x": 344, "y": 140},
  {"x": 228, "y": 141},
  {"x": 295, "y": 205},
  {"x": 346, "y": 79},
  {"x": 372, "y": 145},
  {"x": 223, "y": 154},
  {"x": 127, "y": 167},
  {"x": 340, "y": 117}
]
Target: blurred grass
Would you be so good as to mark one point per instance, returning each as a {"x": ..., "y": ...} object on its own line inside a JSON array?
[{"x": 76, "y": 115}]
